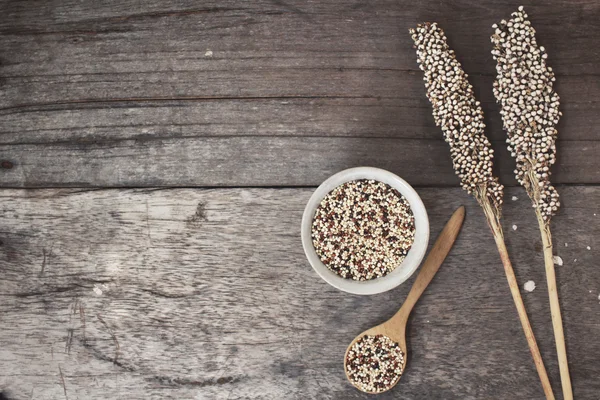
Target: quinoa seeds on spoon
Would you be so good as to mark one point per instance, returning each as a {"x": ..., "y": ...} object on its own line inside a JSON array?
[
  {"x": 363, "y": 229},
  {"x": 374, "y": 363}
]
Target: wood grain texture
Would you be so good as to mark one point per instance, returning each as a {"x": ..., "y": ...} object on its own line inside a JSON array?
[
  {"x": 71, "y": 50},
  {"x": 194, "y": 84},
  {"x": 404, "y": 118},
  {"x": 206, "y": 294},
  {"x": 256, "y": 161}
]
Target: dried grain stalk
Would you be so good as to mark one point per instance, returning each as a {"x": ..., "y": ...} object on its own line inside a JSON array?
[
  {"x": 459, "y": 114},
  {"x": 530, "y": 112}
]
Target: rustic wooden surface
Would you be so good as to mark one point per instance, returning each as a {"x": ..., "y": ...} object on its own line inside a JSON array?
[
  {"x": 190, "y": 293},
  {"x": 156, "y": 157}
]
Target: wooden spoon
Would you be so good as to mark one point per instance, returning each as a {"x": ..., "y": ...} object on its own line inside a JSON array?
[{"x": 395, "y": 327}]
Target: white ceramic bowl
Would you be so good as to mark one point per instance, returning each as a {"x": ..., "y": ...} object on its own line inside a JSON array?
[{"x": 415, "y": 254}]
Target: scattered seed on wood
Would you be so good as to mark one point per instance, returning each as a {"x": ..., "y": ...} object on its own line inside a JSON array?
[
  {"x": 515, "y": 198},
  {"x": 374, "y": 363},
  {"x": 558, "y": 260},
  {"x": 9, "y": 165},
  {"x": 529, "y": 286},
  {"x": 514, "y": 227},
  {"x": 363, "y": 229}
]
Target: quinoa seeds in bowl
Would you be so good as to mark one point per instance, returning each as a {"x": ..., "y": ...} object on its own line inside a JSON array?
[{"x": 363, "y": 229}]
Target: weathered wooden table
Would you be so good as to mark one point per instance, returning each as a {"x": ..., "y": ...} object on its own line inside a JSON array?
[{"x": 156, "y": 160}]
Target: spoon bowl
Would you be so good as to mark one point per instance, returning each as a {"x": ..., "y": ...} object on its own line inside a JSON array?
[
  {"x": 396, "y": 332},
  {"x": 395, "y": 327}
]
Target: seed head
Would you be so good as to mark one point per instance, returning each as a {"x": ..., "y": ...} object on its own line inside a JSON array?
[
  {"x": 529, "y": 107},
  {"x": 458, "y": 113}
]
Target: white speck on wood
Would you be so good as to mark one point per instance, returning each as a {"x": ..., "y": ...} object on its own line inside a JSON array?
[
  {"x": 589, "y": 248},
  {"x": 515, "y": 198},
  {"x": 97, "y": 290},
  {"x": 558, "y": 260},
  {"x": 208, "y": 53},
  {"x": 529, "y": 286},
  {"x": 514, "y": 227},
  {"x": 566, "y": 244}
]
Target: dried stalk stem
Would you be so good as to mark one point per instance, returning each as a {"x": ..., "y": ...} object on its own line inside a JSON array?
[
  {"x": 557, "y": 324},
  {"x": 459, "y": 114},
  {"x": 494, "y": 223},
  {"x": 530, "y": 112}
]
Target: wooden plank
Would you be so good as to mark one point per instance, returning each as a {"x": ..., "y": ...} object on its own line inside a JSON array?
[
  {"x": 57, "y": 53},
  {"x": 340, "y": 69},
  {"x": 404, "y": 87},
  {"x": 342, "y": 117},
  {"x": 256, "y": 161},
  {"x": 287, "y": 34},
  {"x": 189, "y": 293},
  {"x": 247, "y": 83}
]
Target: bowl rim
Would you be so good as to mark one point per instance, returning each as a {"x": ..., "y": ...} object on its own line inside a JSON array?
[{"x": 415, "y": 255}]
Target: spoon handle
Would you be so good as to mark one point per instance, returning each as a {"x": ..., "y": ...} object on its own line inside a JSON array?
[{"x": 434, "y": 260}]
